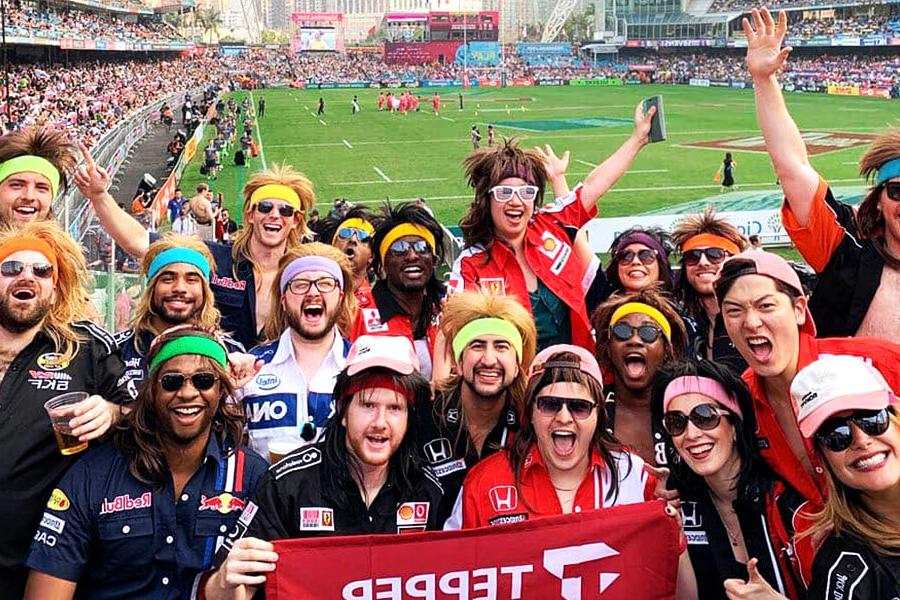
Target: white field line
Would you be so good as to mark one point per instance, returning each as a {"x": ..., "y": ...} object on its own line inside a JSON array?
[
  {"x": 348, "y": 144},
  {"x": 322, "y": 122},
  {"x": 381, "y": 181},
  {"x": 584, "y": 162},
  {"x": 449, "y": 119},
  {"x": 262, "y": 151},
  {"x": 617, "y": 190},
  {"x": 383, "y": 176}
]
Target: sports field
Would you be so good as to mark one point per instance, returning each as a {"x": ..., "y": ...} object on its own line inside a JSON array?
[{"x": 376, "y": 155}]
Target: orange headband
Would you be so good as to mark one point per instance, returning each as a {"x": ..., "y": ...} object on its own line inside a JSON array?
[
  {"x": 31, "y": 243},
  {"x": 710, "y": 240}
]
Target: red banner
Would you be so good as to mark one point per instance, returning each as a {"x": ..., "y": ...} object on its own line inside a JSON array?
[
  {"x": 521, "y": 81},
  {"x": 875, "y": 92},
  {"x": 620, "y": 553}
]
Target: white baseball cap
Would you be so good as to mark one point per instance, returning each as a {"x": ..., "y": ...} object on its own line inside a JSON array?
[
  {"x": 382, "y": 351},
  {"x": 833, "y": 384}
]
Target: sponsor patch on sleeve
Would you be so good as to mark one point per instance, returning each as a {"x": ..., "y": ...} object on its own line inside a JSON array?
[
  {"x": 52, "y": 523},
  {"x": 58, "y": 501}
]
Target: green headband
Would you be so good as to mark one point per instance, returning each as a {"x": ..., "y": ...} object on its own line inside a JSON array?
[
  {"x": 190, "y": 344},
  {"x": 31, "y": 164},
  {"x": 487, "y": 326}
]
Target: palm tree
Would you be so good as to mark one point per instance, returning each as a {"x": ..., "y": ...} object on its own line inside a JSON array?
[{"x": 210, "y": 21}]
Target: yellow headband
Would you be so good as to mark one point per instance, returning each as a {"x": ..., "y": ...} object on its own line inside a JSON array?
[
  {"x": 645, "y": 309},
  {"x": 402, "y": 230},
  {"x": 276, "y": 191},
  {"x": 355, "y": 223}
]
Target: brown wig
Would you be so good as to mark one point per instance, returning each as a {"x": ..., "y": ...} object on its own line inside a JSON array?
[
  {"x": 51, "y": 144},
  {"x": 209, "y": 316},
  {"x": 652, "y": 296},
  {"x": 461, "y": 309},
  {"x": 279, "y": 174},
  {"x": 278, "y": 322},
  {"x": 485, "y": 168},
  {"x": 705, "y": 222},
  {"x": 886, "y": 147},
  {"x": 139, "y": 435},
  {"x": 73, "y": 281},
  {"x": 604, "y": 442}
]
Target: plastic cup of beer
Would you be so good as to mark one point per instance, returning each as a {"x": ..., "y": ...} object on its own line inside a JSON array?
[
  {"x": 62, "y": 410},
  {"x": 282, "y": 446}
]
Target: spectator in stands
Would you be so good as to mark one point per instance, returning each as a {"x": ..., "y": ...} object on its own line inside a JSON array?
[
  {"x": 407, "y": 247},
  {"x": 857, "y": 254},
  {"x": 184, "y": 224},
  {"x": 705, "y": 240},
  {"x": 756, "y": 242},
  {"x": 274, "y": 204},
  {"x": 203, "y": 212},
  {"x": 636, "y": 335},
  {"x": 312, "y": 304},
  {"x": 640, "y": 259},
  {"x": 174, "y": 205},
  {"x": 353, "y": 236},
  {"x": 514, "y": 247},
  {"x": 35, "y": 163},
  {"x": 767, "y": 317}
]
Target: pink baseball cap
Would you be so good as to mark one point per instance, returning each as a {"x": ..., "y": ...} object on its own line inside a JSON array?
[
  {"x": 833, "y": 384},
  {"x": 770, "y": 265},
  {"x": 587, "y": 361},
  {"x": 384, "y": 352}
]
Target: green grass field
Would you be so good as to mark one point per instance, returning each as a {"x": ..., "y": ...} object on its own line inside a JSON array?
[{"x": 372, "y": 156}]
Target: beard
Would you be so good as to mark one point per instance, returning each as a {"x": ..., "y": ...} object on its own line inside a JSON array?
[
  {"x": 295, "y": 322},
  {"x": 20, "y": 320},
  {"x": 173, "y": 318},
  {"x": 487, "y": 393}
]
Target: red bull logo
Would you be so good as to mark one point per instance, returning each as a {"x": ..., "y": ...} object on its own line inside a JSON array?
[{"x": 223, "y": 503}]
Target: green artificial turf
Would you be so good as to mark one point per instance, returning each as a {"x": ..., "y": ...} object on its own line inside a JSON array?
[{"x": 372, "y": 156}]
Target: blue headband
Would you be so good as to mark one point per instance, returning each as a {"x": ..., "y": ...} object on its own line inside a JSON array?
[
  {"x": 888, "y": 170},
  {"x": 178, "y": 255}
]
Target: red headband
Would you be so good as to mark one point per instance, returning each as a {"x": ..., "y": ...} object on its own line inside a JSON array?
[
  {"x": 35, "y": 245},
  {"x": 384, "y": 382}
]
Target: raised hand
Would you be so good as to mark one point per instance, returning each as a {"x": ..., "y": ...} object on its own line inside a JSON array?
[
  {"x": 764, "y": 38},
  {"x": 642, "y": 123},
  {"x": 92, "y": 181},
  {"x": 555, "y": 166}
]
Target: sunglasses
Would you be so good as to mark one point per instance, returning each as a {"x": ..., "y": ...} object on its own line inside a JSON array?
[
  {"x": 551, "y": 405},
  {"x": 504, "y": 193},
  {"x": 345, "y": 233},
  {"x": 302, "y": 286},
  {"x": 835, "y": 433},
  {"x": 172, "y": 382},
  {"x": 647, "y": 256},
  {"x": 704, "y": 416},
  {"x": 266, "y": 206},
  {"x": 623, "y": 332},
  {"x": 713, "y": 255},
  {"x": 401, "y": 247},
  {"x": 14, "y": 268},
  {"x": 893, "y": 190}
]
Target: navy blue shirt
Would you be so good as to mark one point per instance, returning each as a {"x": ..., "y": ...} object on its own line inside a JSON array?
[
  {"x": 133, "y": 349},
  {"x": 121, "y": 538}
]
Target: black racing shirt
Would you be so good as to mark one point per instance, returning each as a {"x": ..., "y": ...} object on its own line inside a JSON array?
[
  {"x": 445, "y": 446},
  {"x": 30, "y": 461},
  {"x": 291, "y": 502},
  {"x": 847, "y": 569},
  {"x": 663, "y": 453}
]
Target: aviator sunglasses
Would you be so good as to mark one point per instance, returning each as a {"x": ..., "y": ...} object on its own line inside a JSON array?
[
  {"x": 172, "y": 382},
  {"x": 705, "y": 417},
  {"x": 14, "y": 268},
  {"x": 401, "y": 247},
  {"x": 835, "y": 433},
  {"x": 713, "y": 255},
  {"x": 345, "y": 233},
  {"x": 266, "y": 206}
]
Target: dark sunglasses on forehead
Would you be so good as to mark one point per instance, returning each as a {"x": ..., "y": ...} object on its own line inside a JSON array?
[
  {"x": 172, "y": 382},
  {"x": 713, "y": 255},
  {"x": 14, "y": 268},
  {"x": 893, "y": 190},
  {"x": 647, "y": 256},
  {"x": 835, "y": 433},
  {"x": 266, "y": 206},
  {"x": 703, "y": 416},
  {"x": 647, "y": 333},
  {"x": 551, "y": 405},
  {"x": 345, "y": 233},
  {"x": 401, "y": 247}
]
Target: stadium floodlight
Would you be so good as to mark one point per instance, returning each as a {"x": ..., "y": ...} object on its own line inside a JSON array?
[{"x": 561, "y": 13}]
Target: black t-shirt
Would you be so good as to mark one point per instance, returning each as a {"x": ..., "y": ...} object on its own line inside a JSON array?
[
  {"x": 30, "y": 461},
  {"x": 847, "y": 569}
]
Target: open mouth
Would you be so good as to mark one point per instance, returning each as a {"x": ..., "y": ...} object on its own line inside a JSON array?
[
  {"x": 707, "y": 276},
  {"x": 272, "y": 228},
  {"x": 350, "y": 252},
  {"x": 26, "y": 211},
  {"x": 635, "y": 365},
  {"x": 177, "y": 303},
  {"x": 514, "y": 215},
  {"x": 563, "y": 442},
  {"x": 377, "y": 441},
  {"x": 760, "y": 347},
  {"x": 870, "y": 463},
  {"x": 413, "y": 271},
  {"x": 636, "y": 273},
  {"x": 700, "y": 451},
  {"x": 24, "y": 294},
  {"x": 313, "y": 310},
  {"x": 187, "y": 415},
  {"x": 490, "y": 375}
]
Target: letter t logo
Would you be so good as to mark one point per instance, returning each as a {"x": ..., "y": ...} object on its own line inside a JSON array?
[{"x": 557, "y": 559}]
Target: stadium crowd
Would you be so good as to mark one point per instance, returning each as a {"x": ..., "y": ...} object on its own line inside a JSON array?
[
  {"x": 57, "y": 22},
  {"x": 321, "y": 381},
  {"x": 862, "y": 25},
  {"x": 745, "y": 6}
]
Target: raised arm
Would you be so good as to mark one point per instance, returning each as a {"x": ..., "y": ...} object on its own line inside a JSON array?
[
  {"x": 765, "y": 57},
  {"x": 606, "y": 174},
  {"x": 93, "y": 181},
  {"x": 556, "y": 167}
]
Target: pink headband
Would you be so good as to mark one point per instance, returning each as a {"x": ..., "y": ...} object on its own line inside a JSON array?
[{"x": 705, "y": 386}]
